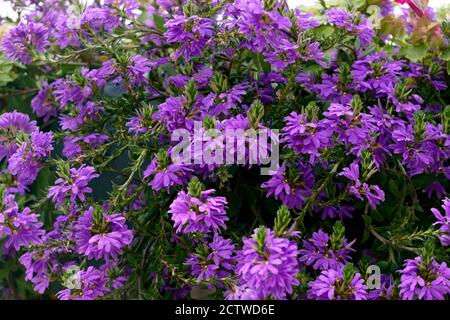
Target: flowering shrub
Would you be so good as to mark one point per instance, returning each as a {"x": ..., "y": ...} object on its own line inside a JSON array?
[{"x": 94, "y": 205}]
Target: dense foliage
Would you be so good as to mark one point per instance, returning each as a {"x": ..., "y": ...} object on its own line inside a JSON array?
[{"x": 93, "y": 205}]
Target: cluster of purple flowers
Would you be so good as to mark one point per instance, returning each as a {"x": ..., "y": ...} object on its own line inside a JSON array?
[
  {"x": 318, "y": 252},
  {"x": 198, "y": 212},
  {"x": 331, "y": 285},
  {"x": 101, "y": 235},
  {"x": 75, "y": 187},
  {"x": 444, "y": 222},
  {"x": 217, "y": 263},
  {"x": 268, "y": 264},
  {"x": 193, "y": 33},
  {"x": 424, "y": 280},
  {"x": 362, "y": 122},
  {"x": 21, "y": 228},
  {"x": 24, "y": 146},
  {"x": 292, "y": 192},
  {"x": 25, "y": 40}
]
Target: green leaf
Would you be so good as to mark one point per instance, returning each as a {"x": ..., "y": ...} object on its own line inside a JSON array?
[
  {"x": 445, "y": 54},
  {"x": 423, "y": 180},
  {"x": 415, "y": 53},
  {"x": 159, "y": 22},
  {"x": 393, "y": 188},
  {"x": 42, "y": 182},
  {"x": 358, "y": 3},
  {"x": 375, "y": 214},
  {"x": 324, "y": 31}
]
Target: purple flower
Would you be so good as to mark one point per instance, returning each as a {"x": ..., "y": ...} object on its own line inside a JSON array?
[
  {"x": 136, "y": 125},
  {"x": 100, "y": 76},
  {"x": 67, "y": 31},
  {"x": 351, "y": 173},
  {"x": 345, "y": 20},
  {"x": 386, "y": 289},
  {"x": 263, "y": 28},
  {"x": 166, "y": 175},
  {"x": 198, "y": 213},
  {"x": 340, "y": 18},
  {"x": 101, "y": 235},
  {"x": 304, "y": 136},
  {"x": 21, "y": 40},
  {"x": 373, "y": 193},
  {"x": 138, "y": 66},
  {"x": 174, "y": 114},
  {"x": 74, "y": 186},
  {"x": 268, "y": 264},
  {"x": 43, "y": 104},
  {"x": 100, "y": 18},
  {"x": 444, "y": 221},
  {"x": 243, "y": 292},
  {"x": 92, "y": 285},
  {"x": 353, "y": 129},
  {"x": 283, "y": 56},
  {"x": 128, "y": 5},
  {"x": 73, "y": 145},
  {"x": 321, "y": 253},
  {"x": 332, "y": 87},
  {"x": 11, "y": 124},
  {"x": 37, "y": 271},
  {"x": 24, "y": 164},
  {"x": 305, "y": 20},
  {"x": 191, "y": 32},
  {"x": 330, "y": 285},
  {"x": 424, "y": 281},
  {"x": 85, "y": 113},
  {"x": 435, "y": 188},
  {"x": 21, "y": 228},
  {"x": 66, "y": 91},
  {"x": 291, "y": 193},
  {"x": 376, "y": 73},
  {"x": 217, "y": 263}
]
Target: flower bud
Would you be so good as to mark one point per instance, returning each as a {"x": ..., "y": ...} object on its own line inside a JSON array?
[{"x": 282, "y": 220}]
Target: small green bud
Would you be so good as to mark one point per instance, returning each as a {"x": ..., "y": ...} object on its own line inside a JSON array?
[
  {"x": 312, "y": 110},
  {"x": 402, "y": 90},
  {"x": 428, "y": 252},
  {"x": 338, "y": 236},
  {"x": 2, "y": 195},
  {"x": 219, "y": 83},
  {"x": 209, "y": 123},
  {"x": 282, "y": 220},
  {"x": 419, "y": 125},
  {"x": 255, "y": 113},
  {"x": 195, "y": 187},
  {"x": 368, "y": 165},
  {"x": 189, "y": 9},
  {"x": 163, "y": 158},
  {"x": 190, "y": 92},
  {"x": 202, "y": 250},
  {"x": 260, "y": 239},
  {"x": 21, "y": 137},
  {"x": 78, "y": 78},
  {"x": 97, "y": 215},
  {"x": 356, "y": 104},
  {"x": 70, "y": 278},
  {"x": 348, "y": 273},
  {"x": 345, "y": 75},
  {"x": 269, "y": 4},
  {"x": 63, "y": 170},
  {"x": 446, "y": 119}
]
